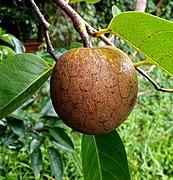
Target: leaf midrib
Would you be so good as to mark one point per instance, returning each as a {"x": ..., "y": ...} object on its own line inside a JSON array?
[{"x": 98, "y": 159}]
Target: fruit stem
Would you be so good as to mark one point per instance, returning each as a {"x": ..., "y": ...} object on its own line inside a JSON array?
[
  {"x": 78, "y": 22},
  {"x": 140, "y": 63}
]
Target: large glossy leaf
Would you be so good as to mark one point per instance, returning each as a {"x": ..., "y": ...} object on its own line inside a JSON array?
[
  {"x": 62, "y": 140},
  {"x": 55, "y": 163},
  {"x": 104, "y": 157},
  {"x": 20, "y": 77},
  {"x": 148, "y": 34},
  {"x": 36, "y": 162}
]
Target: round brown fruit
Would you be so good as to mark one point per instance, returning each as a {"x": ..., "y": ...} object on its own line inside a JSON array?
[{"x": 93, "y": 90}]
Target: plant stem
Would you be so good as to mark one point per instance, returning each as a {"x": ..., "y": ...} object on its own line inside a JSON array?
[
  {"x": 157, "y": 87},
  {"x": 84, "y": 29}
]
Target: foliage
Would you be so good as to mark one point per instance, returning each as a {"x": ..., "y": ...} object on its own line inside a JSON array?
[
  {"x": 22, "y": 18},
  {"x": 147, "y": 135},
  {"x": 160, "y": 8},
  {"x": 90, "y": 1},
  {"x": 35, "y": 132}
]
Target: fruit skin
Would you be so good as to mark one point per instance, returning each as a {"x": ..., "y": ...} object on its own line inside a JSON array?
[{"x": 93, "y": 90}]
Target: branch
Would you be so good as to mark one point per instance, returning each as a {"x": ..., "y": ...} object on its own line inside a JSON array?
[
  {"x": 84, "y": 29},
  {"x": 141, "y": 5},
  {"x": 46, "y": 27},
  {"x": 78, "y": 22}
]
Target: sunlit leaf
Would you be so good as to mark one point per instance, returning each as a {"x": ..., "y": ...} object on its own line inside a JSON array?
[
  {"x": 148, "y": 34},
  {"x": 21, "y": 76},
  {"x": 55, "y": 163},
  {"x": 104, "y": 157}
]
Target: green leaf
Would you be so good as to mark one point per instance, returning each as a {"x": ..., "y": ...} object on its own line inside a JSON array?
[
  {"x": 104, "y": 157},
  {"x": 148, "y": 34},
  {"x": 35, "y": 145},
  {"x": 115, "y": 10},
  {"x": 89, "y": 1},
  {"x": 5, "y": 52},
  {"x": 21, "y": 76},
  {"x": 55, "y": 163},
  {"x": 54, "y": 121},
  {"x": 62, "y": 140},
  {"x": 16, "y": 125},
  {"x": 47, "y": 108},
  {"x": 36, "y": 162},
  {"x": 13, "y": 41}
]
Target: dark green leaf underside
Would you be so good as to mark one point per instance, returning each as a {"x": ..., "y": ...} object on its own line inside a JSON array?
[
  {"x": 104, "y": 157},
  {"x": 20, "y": 77},
  {"x": 55, "y": 163},
  {"x": 150, "y": 35},
  {"x": 16, "y": 125}
]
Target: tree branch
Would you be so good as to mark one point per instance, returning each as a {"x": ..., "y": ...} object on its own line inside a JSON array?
[
  {"x": 46, "y": 27},
  {"x": 78, "y": 22}
]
